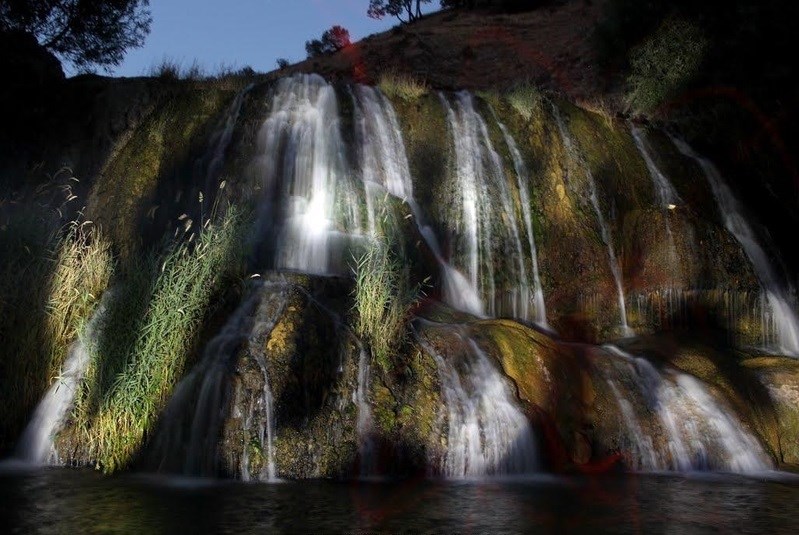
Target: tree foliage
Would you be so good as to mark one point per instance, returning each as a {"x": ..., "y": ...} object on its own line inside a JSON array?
[
  {"x": 82, "y": 32},
  {"x": 404, "y": 10},
  {"x": 332, "y": 41}
]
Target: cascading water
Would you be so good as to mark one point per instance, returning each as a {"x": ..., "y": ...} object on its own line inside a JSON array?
[
  {"x": 487, "y": 245},
  {"x": 487, "y": 434},
  {"x": 523, "y": 178},
  {"x": 693, "y": 429},
  {"x": 777, "y": 292},
  {"x": 603, "y": 227},
  {"x": 384, "y": 168},
  {"x": 308, "y": 199},
  {"x": 36, "y": 445},
  {"x": 666, "y": 194},
  {"x": 189, "y": 433},
  {"x": 220, "y": 141},
  {"x": 384, "y": 164}
]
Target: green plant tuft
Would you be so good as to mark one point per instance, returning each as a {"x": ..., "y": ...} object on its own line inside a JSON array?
[
  {"x": 403, "y": 86},
  {"x": 524, "y": 99},
  {"x": 384, "y": 297}
]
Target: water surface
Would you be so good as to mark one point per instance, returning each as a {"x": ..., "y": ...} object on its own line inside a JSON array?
[{"x": 80, "y": 501}]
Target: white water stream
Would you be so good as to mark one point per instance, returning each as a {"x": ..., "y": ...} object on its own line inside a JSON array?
[
  {"x": 699, "y": 431},
  {"x": 777, "y": 292},
  {"x": 36, "y": 446},
  {"x": 593, "y": 196},
  {"x": 487, "y": 433},
  {"x": 308, "y": 196},
  {"x": 666, "y": 195}
]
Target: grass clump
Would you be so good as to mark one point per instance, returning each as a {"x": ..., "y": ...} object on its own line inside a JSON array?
[
  {"x": 665, "y": 63},
  {"x": 524, "y": 99},
  {"x": 151, "y": 332},
  {"x": 51, "y": 278},
  {"x": 384, "y": 297},
  {"x": 403, "y": 86}
]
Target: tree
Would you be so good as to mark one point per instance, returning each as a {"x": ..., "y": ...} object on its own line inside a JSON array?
[
  {"x": 282, "y": 63},
  {"x": 84, "y": 33},
  {"x": 332, "y": 41},
  {"x": 409, "y": 9}
]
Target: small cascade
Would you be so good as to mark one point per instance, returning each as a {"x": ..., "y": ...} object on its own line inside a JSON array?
[
  {"x": 188, "y": 436},
  {"x": 487, "y": 434},
  {"x": 777, "y": 292},
  {"x": 220, "y": 141},
  {"x": 309, "y": 200},
  {"x": 384, "y": 168},
  {"x": 523, "y": 178},
  {"x": 37, "y": 444},
  {"x": 692, "y": 429},
  {"x": 666, "y": 194},
  {"x": 593, "y": 195},
  {"x": 487, "y": 245},
  {"x": 364, "y": 422}
]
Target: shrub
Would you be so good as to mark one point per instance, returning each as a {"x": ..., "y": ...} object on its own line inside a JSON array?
[{"x": 665, "y": 63}]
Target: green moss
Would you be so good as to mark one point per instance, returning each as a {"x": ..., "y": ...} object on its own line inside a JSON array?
[
  {"x": 384, "y": 409},
  {"x": 163, "y": 147}
]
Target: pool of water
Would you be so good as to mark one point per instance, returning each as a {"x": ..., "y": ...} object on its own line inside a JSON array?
[{"x": 80, "y": 501}]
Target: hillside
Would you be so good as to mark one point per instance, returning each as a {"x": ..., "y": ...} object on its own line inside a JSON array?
[{"x": 550, "y": 47}]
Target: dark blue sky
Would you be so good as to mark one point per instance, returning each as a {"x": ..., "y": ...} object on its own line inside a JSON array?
[{"x": 243, "y": 32}]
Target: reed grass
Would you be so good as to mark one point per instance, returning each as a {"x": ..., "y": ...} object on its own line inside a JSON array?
[
  {"x": 403, "y": 86},
  {"x": 384, "y": 297},
  {"x": 51, "y": 278},
  {"x": 152, "y": 331}
]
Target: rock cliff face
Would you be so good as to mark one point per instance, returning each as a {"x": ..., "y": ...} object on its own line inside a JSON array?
[{"x": 479, "y": 199}]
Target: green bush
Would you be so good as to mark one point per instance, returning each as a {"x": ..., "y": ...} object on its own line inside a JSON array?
[{"x": 665, "y": 64}]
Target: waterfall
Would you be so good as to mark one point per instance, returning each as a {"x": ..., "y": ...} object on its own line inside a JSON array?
[
  {"x": 37, "y": 444},
  {"x": 666, "y": 194},
  {"x": 189, "y": 432},
  {"x": 487, "y": 434},
  {"x": 488, "y": 243},
  {"x": 309, "y": 200},
  {"x": 221, "y": 138},
  {"x": 523, "y": 177},
  {"x": 778, "y": 296},
  {"x": 384, "y": 168},
  {"x": 693, "y": 429},
  {"x": 603, "y": 227}
]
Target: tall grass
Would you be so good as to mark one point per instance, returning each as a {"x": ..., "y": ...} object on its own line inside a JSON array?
[
  {"x": 402, "y": 85},
  {"x": 152, "y": 330},
  {"x": 384, "y": 297},
  {"x": 51, "y": 278}
]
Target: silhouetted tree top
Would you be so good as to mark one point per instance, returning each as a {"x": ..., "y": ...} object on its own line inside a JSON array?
[
  {"x": 404, "y": 10},
  {"x": 84, "y": 33},
  {"x": 333, "y": 40}
]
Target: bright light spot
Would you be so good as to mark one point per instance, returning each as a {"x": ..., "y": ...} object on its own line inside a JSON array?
[
  {"x": 672, "y": 206},
  {"x": 315, "y": 219}
]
